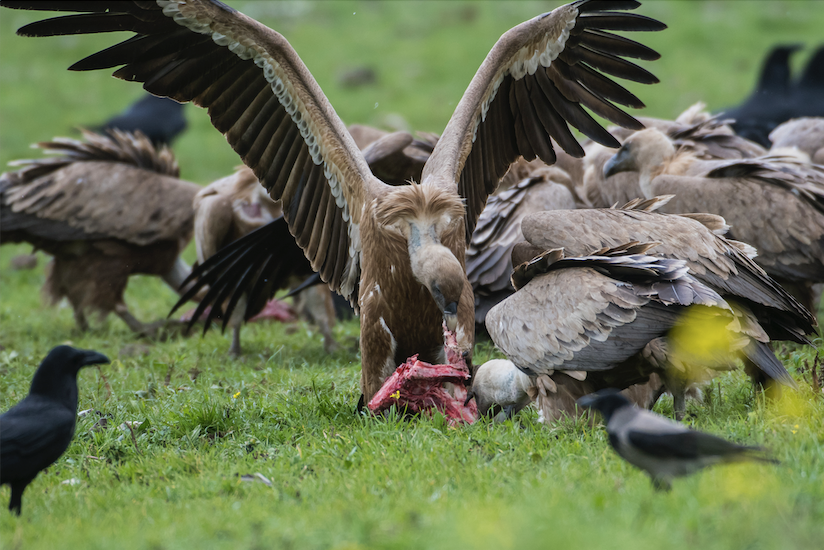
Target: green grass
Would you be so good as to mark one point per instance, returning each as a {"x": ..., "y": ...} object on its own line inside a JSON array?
[{"x": 286, "y": 411}]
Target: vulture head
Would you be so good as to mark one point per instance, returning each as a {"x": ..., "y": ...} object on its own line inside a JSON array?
[
  {"x": 425, "y": 218},
  {"x": 641, "y": 152}
]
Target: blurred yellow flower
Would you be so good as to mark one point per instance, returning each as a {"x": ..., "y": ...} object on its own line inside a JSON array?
[
  {"x": 235, "y": 396},
  {"x": 396, "y": 395}
]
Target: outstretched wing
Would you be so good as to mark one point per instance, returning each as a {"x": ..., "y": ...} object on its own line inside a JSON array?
[
  {"x": 257, "y": 265},
  {"x": 259, "y": 94},
  {"x": 536, "y": 80}
]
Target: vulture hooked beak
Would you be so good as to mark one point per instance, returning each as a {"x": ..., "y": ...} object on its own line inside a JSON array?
[
  {"x": 450, "y": 316},
  {"x": 449, "y": 311},
  {"x": 622, "y": 161}
]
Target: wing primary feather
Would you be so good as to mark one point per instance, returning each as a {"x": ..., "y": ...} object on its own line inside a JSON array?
[
  {"x": 615, "y": 44},
  {"x": 617, "y": 21}
]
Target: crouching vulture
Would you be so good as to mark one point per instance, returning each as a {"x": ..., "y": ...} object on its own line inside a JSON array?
[
  {"x": 232, "y": 207},
  {"x": 396, "y": 252},
  {"x": 105, "y": 208},
  {"x": 776, "y": 204},
  {"x": 579, "y": 320}
]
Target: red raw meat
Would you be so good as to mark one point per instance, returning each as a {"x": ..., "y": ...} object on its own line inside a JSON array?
[
  {"x": 275, "y": 309},
  {"x": 418, "y": 386}
]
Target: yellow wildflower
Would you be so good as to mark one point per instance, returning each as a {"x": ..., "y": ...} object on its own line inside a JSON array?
[{"x": 396, "y": 395}]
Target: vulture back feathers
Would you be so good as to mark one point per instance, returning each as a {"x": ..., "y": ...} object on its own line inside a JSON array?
[{"x": 105, "y": 208}]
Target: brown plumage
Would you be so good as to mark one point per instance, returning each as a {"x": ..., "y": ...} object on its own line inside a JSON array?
[
  {"x": 407, "y": 274},
  {"x": 234, "y": 206},
  {"x": 595, "y": 313},
  {"x": 775, "y": 204},
  {"x": 804, "y": 135},
  {"x": 489, "y": 254},
  {"x": 693, "y": 132},
  {"x": 106, "y": 208},
  {"x": 762, "y": 309}
]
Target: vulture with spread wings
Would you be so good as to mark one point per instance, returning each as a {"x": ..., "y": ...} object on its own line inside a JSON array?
[{"x": 397, "y": 252}]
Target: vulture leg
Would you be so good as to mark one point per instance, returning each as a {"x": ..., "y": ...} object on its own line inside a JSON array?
[
  {"x": 509, "y": 412},
  {"x": 316, "y": 306},
  {"x": 234, "y": 349},
  {"x": 175, "y": 277},
  {"x": 677, "y": 386},
  {"x": 235, "y": 321},
  {"x": 123, "y": 312},
  {"x": 80, "y": 319}
]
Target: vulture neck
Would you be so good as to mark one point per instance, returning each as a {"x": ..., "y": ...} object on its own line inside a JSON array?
[{"x": 656, "y": 158}]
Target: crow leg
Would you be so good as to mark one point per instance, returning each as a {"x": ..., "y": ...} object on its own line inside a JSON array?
[
  {"x": 16, "y": 502},
  {"x": 661, "y": 484}
]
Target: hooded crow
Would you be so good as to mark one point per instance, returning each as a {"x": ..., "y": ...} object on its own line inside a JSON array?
[
  {"x": 36, "y": 431},
  {"x": 662, "y": 448}
]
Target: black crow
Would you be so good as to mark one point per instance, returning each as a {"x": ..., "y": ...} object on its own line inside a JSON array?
[
  {"x": 662, "y": 448},
  {"x": 36, "y": 431},
  {"x": 159, "y": 118}
]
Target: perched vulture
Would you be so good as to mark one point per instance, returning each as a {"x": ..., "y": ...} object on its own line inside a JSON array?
[
  {"x": 397, "y": 252},
  {"x": 159, "y": 118},
  {"x": 234, "y": 206},
  {"x": 489, "y": 254},
  {"x": 106, "y": 208},
  {"x": 776, "y": 204},
  {"x": 693, "y": 131},
  {"x": 802, "y": 137},
  {"x": 762, "y": 309}
]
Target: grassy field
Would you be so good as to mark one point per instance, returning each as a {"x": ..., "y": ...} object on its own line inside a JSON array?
[{"x": 286, "y": 410}]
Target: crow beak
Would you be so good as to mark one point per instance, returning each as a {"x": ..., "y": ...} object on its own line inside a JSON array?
[
  {"x": 619, "y": 162},
  {"x": 94, "y": 358},
  {"x": 450, "y": 316}
]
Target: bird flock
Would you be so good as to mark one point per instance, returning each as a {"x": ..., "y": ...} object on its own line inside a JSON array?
[{"x": 646, "y": 258}]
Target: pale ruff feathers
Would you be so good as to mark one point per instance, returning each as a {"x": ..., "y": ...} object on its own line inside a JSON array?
[
  {"x": 526, "y": 61},
  {"x": 285, "y": 92}
]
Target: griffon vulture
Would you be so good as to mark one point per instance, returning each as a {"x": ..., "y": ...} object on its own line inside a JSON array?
[
  {"x": 762, "y": 309},
  {"x": 705, "y": 138},
  {"x": 397, "y": 252},
  {"x": 597, "y": 313},
  {"x": 106, "y": 208},
  {"x": 489, "y": 254},
  {"x": 803, "y": 137},
  {"x": 775, "y": 204},
  {"x": 234, "y": 206},
  {"x": 250, "y": 271}
]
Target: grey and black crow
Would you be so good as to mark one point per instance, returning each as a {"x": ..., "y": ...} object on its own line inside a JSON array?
[
  {"x": 662, "y": 448},
  {"x": 36, "y": 431}
]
